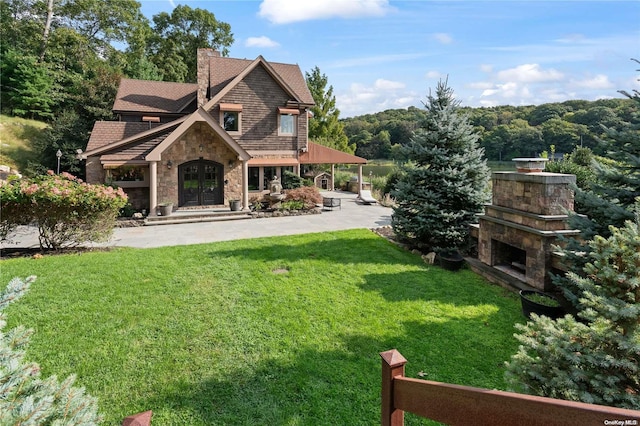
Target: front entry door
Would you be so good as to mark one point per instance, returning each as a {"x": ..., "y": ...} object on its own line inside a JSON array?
[{"x": 201, "y": 183}]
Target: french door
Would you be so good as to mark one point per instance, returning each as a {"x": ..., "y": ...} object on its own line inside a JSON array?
[{"x": 201, "y": 183}]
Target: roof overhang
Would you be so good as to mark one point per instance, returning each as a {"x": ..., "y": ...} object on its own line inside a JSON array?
[
  {"x": 200, "y": 116},
  {"x": 320, "y": 154},
  {"x": 255, "y": 162},
  {"x": 126, "y": 141}
]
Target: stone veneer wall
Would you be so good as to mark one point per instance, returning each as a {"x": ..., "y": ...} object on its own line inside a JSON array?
[
  {"x": 94, "y": 170},
  {"x": 187, "y": 148},
  {"x": 527, "y": 212},
  {"x": 538, "y": 193}
]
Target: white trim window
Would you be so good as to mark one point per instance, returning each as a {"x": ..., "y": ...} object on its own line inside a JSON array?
[
  {"x": 231, "y": 118},
  {"x": 287, "y": 121}
]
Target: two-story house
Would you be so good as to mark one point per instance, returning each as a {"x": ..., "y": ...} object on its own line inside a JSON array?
[{"x": 206, "y": 143}]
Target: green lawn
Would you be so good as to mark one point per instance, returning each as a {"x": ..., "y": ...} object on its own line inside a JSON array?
[{"x": 277, "y": 331}]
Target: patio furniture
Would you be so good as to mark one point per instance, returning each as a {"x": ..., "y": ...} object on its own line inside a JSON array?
[
  {"x": 366, "y": 198},
  {"x": 330, "y": 202}
]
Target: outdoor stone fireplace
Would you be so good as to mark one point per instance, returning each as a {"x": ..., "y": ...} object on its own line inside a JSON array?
[{"x": 527, "y": 214}]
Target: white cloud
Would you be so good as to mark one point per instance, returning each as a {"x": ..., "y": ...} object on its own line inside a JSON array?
[
  {"x": 443, "y": 38},
  {"x": 382, "y": 84},
  {"x": 600, "y": 81},
  {"x": 383, "y": 94},
  {"x": 287, "y": 11},
  {"x": 262, "y": 41},
  {"x": 529, "y": 73}
]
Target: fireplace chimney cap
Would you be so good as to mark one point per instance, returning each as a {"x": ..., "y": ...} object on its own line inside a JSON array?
[{"x": 530, "y": 165}]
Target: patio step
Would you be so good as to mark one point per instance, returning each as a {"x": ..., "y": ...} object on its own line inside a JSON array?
[{"x": 191, "y": 216}]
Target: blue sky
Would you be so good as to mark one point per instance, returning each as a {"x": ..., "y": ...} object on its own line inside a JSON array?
[{"x": 380, "y": 54}]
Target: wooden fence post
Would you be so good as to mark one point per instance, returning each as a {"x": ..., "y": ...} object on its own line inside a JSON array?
[{"x": 392, "y": 366}]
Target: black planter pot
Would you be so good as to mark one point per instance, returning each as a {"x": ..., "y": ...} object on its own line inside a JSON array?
[
  {"x": 451, "y": 261},
  {"x": 530, "y": 307}
]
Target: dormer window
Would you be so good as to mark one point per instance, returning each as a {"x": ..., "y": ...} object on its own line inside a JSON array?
[
  {"x": 287, "y": 121},
  {"x": 231, "y": 118}
]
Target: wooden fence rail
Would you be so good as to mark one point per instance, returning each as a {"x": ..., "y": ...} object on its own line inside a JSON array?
[{"x": 464, "y": 405}]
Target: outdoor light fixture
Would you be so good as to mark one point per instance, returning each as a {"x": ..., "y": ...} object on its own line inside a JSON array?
[
  {"x": 59, "y": 154},
  {"x": 231, "y": 163},
  {"x": 169, "y": 164},
  {"x": 201, "y": 148}
]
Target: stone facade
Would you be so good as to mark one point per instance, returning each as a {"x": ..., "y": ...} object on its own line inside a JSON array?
[
  {"x": 527, "y": 214},
  {"x": 186, "y": 149}
]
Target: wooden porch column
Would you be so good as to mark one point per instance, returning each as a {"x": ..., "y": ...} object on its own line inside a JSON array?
[
  {"x": 333, "y": 170},
  {"x": 153, "y": 188},
  {"x": 245, "y": 185},
  {"x": 359, "y": 179},
  {"x": 392, "y": 366}
]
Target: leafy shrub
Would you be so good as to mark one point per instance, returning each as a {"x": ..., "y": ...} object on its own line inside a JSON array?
[
  {"x": 578, "y": 163},
  {"x": 28, "y": 399},
  {"x": 257, "y": 202},
  {"x": 392, "y": 179},
  {"x": 66, "y": 210},
  {"x": 291, "y": 180},
  {"x": 378, "y": 183},
  {"x": 292, "y": 205},
  {"x": 341, "y": 179},
  {"x": 308, "y": 195}
]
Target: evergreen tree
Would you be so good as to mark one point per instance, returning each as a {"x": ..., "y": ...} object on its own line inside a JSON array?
[
  {"x": 324, "y": 126},
  {"x": 596, "y": 359},
  {"x": 611, "y": 199},
  {"x": 444, "y": 184},
  {"x": 25, "y": 397}
]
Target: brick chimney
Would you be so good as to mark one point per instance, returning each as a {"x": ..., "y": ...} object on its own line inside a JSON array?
[{"x": 204, "y": 74}]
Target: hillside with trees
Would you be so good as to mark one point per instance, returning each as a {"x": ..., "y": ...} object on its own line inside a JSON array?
[
  {"x": 59, "y": 63},
  {"x": 505, "y": 132}
]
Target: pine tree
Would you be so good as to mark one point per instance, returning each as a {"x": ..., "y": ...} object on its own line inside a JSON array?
[
  {"x": 596, "y": 359},
  {"x": 444, "y": 184},
  {"x": 611, "y": 200},
  {"x": 25, "y": 397},
  {"x": 324, "y": 125}
]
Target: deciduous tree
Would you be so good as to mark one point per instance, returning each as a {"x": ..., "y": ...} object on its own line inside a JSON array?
[{"x": 177, "y": 37}]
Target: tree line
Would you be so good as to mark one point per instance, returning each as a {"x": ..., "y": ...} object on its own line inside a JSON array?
[{"x": 505, "y": 132}]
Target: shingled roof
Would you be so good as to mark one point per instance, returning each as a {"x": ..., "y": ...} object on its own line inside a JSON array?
[
  {"x": 154, "y": 96},
  {"x": 224, "y": 70},
  {"x": 319, "y": 154},
  {"x": 107, "y": 133}
]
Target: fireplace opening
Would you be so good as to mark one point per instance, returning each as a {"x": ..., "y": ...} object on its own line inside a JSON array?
[{"x": 510, "y": 259}]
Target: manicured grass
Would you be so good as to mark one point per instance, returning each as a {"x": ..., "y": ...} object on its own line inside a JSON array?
[{"x": 279, "y": 331}]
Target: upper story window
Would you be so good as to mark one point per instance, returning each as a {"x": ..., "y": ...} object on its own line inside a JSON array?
[
  {"x": 287, "y": 121},
  {"x": 231, "y": 117}
]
